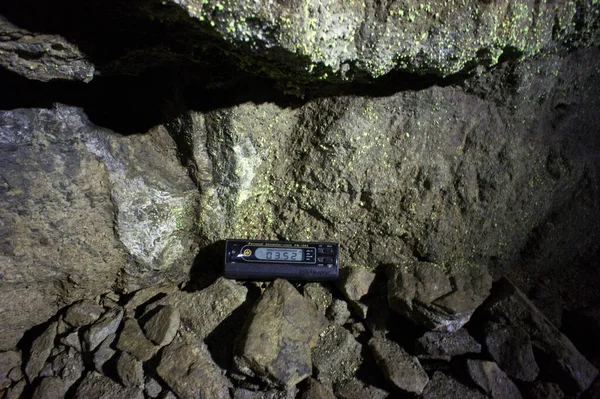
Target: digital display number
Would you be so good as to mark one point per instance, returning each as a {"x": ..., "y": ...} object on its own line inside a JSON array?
[{"x": 279, "y": 254}]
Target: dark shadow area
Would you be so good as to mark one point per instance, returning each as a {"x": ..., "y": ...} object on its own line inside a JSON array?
[{"x": 207, "y": 266}]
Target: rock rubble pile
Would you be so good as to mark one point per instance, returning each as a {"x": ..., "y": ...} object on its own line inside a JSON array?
[{"x": 430, "y": 330}]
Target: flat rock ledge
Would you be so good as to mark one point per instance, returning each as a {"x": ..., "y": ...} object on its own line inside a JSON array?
[{"x": 284, "y": 341}]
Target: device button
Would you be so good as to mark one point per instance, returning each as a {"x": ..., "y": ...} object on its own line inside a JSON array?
[
  {"x": 327, "y": 250},
  {"x": 325, "y": 259}
]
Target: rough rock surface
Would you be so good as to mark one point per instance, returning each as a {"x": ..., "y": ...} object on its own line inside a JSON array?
[
  {"x": 494, "y": 382},
  {"x": 289, "y": 393},
  {"x": 315, "y": 390},
  {"x": 41, "y": 57},
  {"x": 132, "y": 339},
  {"x": 40, "y": 350},
  {"x": 189, "y": 370},
  {"x": 96, "y": 385},
  {"x": 444, "y": 345},
  {"x": 104, "y": 353},
  {"x": 336, "y": 356},
  {"x": 82, "y": 313},
  {"x": 442, "y": 386},
  {"x": 202, "y": 311},
  {"x": 101, "y": 329},
  {"x": 438, "y": 296},
  {"x": 355, "y": 389},
  {"x": 399, "y": 368},
  {"x": 280, "y": 331},
  {"x": 338, "y": 312},
  {"x": 560, "y": 357},
  {"x": 8, "y": 361},
  {"x": 163, "y": 325},
  {"x": 320, "y": 295},
  {"x": 510, "y": 347}
]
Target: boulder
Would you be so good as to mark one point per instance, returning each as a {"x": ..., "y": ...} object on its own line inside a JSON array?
[
  {"x": 40, "y": 351},
  {"x": 443, "y": 345},
  {"x": 336, "y": 356},
  {"x": 95, "y": 385},
  {"x": 279, "y": 332},
  {"x": 442, "y": 386},
  {"x": 492, "y": 380},
  {"x": 102, "y": 328},
  {"x": 510, "y": 347},
  {"x": 559, "y": 356},
  {"x": 132, "y": 340},
  {"x": 188, "y": 369},
  {"x": 439, "y": 297},
  {"x": 82, "y": 313},
  {"x": 399, "y": 368},
  {"x": 162, "y": 326}
]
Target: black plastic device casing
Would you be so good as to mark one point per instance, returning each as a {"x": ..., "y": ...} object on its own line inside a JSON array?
[{"x": 324, "y": 266}]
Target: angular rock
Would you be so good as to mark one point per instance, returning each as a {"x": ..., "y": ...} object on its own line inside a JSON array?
[
  {"x": 72, "y": 340},
  {"x": 399, "y": 368},
  {"x": 69, "y": 366},
  {"x": 442, "y": 386},
  {"x": 545, "y": 390},
  {"x": 201, "y": 312},
  {"x": 443, "y": 345},
  {"x": 8, "y": 361},
  {"x": 354, "y": 284},
  {"x": 289, "y": 393},
  {"x": 130, "y": 370},
  {"x": 188, "y": 369},
  {"x": 41, "y": 56},
  {"x": 279, "y": 332},
  {"x": 511, "y": 348},
  {"x": 107, "y": 324},
  {"x": 355, "y": 389},
  {"x": 16, "y": 391},
  {"x": 51, "y": 387},
  {"x": 83, "y": 313},
  {"x": 40, "y": 351},
  {"x": 493, "y": 381},
  {"x": 439, "y": 297},
  {"x": 132, "y": 339},
  {"x": 104, "y": 353},
  {"x": 96, "y": 385},
  {"x": 152, "y": 388},
  {"x": 145, "y": 295},
  {"x": 163, "y": 325},
  {"x": 320, "y": 295},
  {"x": 315, "y": 390},
  {"x": 338, "y": 312},
  {"x": 560, "y": 357},
  {"x": 336, "y": 356}
]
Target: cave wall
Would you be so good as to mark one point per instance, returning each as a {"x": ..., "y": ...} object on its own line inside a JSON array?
[{"x": 180, "y": 141}]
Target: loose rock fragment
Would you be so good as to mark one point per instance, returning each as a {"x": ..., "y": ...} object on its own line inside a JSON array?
[
  {"x": 511, "y": 348},
  {"x": 8, "y": 361},
  {"x": 493, "y": 381},
  {"x": 105, "y": 326},
  {"x": 143, "y": 296},
  {"x": 338, "y": 312},
  {"x": 545, "y": 390},
  {"x": 354, "y": 284},
  {"x": 40, "y": 350},
  {"x": 16, "y": 391},
  {"x": 130, "y": 370},
  {"x": 188, "y": 369},
  {"x": 289, "y": 393},
  {"x": 440, "y": 297},
  {"x": 69, "y": 366},
  {"x": 132, "y": 339},
  {"x": 320, "y": 296},
  {"x": 162, "y": 326},
  {"x": 278, "y": 335},
  {"x": 337, "y": 355},
  {"x": 443, "y": 345},
  {"x": 152, "y": 388},
  {"x": 315, "y": 390},
  {"x": 355, "y": 389},
  {"x": 442, "y": 386},
  {"x": 96, "y": 385},
  {"x": 72, "y": 340},
  {"x": 51, "y": 387},
  {"x": 104, "y": 353},
  {"x": 562, "y": 360},
  {"x": 83, "y": 313},
  {"x": 401, "y": 369}
]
